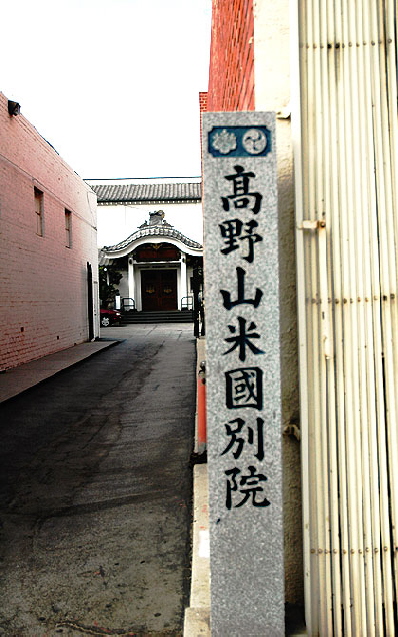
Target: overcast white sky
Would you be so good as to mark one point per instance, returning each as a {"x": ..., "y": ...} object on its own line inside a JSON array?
[{"x": 112, "y": 84}]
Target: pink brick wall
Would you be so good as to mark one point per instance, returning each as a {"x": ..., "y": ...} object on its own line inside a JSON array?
[{"x": 43, "y": 290}]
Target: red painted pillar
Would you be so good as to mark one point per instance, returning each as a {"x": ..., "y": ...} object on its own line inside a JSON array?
[{"x": 201, "y": 391}]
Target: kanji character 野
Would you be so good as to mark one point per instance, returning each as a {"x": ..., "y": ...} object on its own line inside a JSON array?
[{"x": 233, "y": 230}]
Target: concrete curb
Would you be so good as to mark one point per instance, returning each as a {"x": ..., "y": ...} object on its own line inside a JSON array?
[{"x": 197, "y": 615}]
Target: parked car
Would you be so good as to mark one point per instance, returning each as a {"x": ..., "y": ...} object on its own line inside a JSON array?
[{"x": 109, "y": 317}]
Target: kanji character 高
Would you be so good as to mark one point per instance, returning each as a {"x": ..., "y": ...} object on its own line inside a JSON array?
[{"x": 242, "y": 198}]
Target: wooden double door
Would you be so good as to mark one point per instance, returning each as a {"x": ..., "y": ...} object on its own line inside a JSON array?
[{"x": 159, "y": 290}]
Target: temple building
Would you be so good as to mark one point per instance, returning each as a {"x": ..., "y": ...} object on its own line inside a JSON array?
[
  {"x": 151, "y": 231},
  {"x": 157, "y": 263}
]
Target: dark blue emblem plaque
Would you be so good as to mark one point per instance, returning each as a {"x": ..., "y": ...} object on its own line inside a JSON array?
[{"x": 239, "y": 141}]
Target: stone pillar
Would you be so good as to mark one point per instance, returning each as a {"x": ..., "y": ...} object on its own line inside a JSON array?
[{"x": 244, "y": 415}]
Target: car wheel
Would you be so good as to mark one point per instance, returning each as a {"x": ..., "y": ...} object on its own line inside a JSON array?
[{"x": 105, "y": 321}]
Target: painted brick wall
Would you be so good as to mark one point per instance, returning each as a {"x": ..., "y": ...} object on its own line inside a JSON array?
[
  {"x": 43, "y": 289},
  {"x": 231, "y": 76}
]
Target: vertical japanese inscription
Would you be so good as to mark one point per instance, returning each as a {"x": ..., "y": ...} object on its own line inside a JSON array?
[{"x": 243, "y": 385}]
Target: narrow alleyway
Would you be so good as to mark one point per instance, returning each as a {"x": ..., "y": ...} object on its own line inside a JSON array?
[{"x": 95, "y": 492}]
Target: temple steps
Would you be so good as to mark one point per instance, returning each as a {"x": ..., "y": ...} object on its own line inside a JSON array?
[{"x": 174, "y": 316}]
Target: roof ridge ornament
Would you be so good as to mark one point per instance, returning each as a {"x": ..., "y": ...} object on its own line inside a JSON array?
[{"x": 156, "y": 218}]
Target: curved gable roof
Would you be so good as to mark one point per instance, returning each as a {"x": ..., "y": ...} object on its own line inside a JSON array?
[{"x": 155, "y": 231}]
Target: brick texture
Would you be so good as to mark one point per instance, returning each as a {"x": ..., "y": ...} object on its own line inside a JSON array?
[
  {"x": 203, "y": 102},
  {"x": 202, "y": 109},
  {"x": 43, "y": 283},
  {"x": 231, "y": 73}
]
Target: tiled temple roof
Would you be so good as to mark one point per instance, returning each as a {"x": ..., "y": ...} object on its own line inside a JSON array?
[{"x": 147, "y": 193}]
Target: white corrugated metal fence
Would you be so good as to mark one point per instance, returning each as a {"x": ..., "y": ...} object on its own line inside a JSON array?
[{"x": 347, "y": 247}]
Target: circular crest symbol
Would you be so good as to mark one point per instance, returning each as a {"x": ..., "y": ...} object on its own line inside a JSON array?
[{"x": 254, "y": 141}]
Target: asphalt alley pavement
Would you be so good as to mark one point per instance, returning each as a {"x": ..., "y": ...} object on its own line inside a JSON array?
[{"x": 96, "y": 488}]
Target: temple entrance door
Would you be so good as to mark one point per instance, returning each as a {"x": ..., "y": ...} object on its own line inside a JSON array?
[{"x": 159, "y": 290}]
